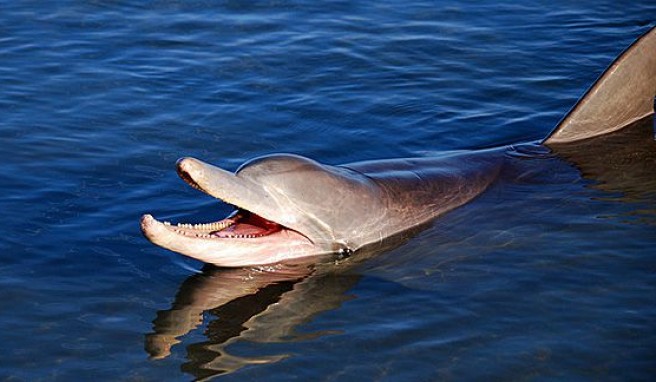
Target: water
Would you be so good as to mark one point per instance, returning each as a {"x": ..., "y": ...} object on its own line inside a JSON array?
[{"x": 548, "y": 275}]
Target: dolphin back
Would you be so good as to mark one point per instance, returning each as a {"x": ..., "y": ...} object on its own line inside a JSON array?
[{"x": 622, "y": 95}]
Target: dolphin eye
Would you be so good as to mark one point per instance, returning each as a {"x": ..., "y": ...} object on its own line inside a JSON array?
[{"x": 344, "y": 253}]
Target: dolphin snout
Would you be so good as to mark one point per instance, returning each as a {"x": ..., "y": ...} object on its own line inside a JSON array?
[
  {"x": 186, "y": 164},
  {"x": 146, "y": 223},
  {"x": 191, "y": 170}
]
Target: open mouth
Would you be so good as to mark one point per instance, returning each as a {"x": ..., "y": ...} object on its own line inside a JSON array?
[
  {"x": 245, "y": 237},
  {"x": 241, "y": 224}
]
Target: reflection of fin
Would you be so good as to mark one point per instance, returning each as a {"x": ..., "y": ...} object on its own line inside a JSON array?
[
  {"x": 623, "y": 94},
  {"x": 623, "y": 162}
]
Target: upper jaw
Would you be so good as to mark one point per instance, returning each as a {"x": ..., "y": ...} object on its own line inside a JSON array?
[
  {"x": 224, "y": 185},
  {"x": 248, "y": 195}
]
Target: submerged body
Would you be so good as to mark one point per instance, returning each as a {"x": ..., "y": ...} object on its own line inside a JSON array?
[{"x": 291, "y": 207}]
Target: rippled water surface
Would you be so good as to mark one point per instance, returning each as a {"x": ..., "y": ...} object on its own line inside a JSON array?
[{"x": 549, "y": 275}]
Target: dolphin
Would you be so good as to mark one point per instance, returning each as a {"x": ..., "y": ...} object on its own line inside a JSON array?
[{"x": 290, "y": 207}]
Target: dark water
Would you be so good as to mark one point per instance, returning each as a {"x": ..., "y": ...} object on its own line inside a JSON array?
[{"x": 549, "y": 275}]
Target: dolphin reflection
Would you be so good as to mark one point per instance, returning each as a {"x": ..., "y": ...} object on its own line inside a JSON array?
[
  {"x": 256, "y": 304},
  {"x": 248, "y": 304}
]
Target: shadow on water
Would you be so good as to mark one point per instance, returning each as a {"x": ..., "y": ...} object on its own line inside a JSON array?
[
  {"x": 268, "y": 304},
  {"x": 622, "y": 164}
]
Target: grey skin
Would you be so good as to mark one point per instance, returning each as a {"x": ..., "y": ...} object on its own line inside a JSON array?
[
  {"x": 293, "y": 207},
  {"x": 622, "y": 95}
]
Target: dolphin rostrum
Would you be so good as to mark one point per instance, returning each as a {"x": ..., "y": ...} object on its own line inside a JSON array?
[{"x": 292, "y": 207}]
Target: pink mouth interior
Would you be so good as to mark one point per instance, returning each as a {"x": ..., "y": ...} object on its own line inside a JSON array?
[{"x": 247, "y": 225}]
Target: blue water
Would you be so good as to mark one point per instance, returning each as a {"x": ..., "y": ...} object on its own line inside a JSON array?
[{"x": 548, "y": 275}]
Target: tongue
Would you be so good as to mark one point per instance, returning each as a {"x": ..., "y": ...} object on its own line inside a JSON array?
[
  {"x": 242, "y": 229},
  {"x": 246, "y": 224}
]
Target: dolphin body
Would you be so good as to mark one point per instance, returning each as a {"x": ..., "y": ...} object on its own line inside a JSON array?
[{"x": 291, "y": 207}]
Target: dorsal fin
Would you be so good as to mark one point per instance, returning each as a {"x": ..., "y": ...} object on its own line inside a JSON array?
[{"x": 623, "y": 94}]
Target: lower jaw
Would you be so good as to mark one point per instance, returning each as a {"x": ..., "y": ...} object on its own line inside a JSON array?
[
  {"x": 248, "y": 254},
  {"x": 282, "y": 245}
]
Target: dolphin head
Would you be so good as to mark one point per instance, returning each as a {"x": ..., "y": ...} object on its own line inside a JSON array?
[{"x": 287, "y": 206}]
